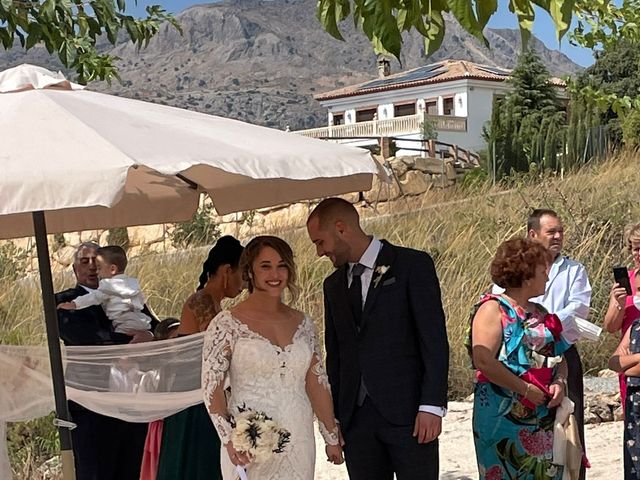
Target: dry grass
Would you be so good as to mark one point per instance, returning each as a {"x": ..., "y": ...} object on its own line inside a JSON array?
[{"x": 460, "y": 228}]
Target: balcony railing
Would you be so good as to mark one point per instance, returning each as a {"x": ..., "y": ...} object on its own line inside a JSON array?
[{"x": 388, "y": 127}]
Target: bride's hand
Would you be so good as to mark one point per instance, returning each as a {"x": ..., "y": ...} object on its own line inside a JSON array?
[
  {"x": 236, "y": 457},
  {"x": 334, "y": 454}
]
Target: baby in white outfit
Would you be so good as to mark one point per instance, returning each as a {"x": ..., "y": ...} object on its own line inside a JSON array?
[{"x": 117, "y": 293}]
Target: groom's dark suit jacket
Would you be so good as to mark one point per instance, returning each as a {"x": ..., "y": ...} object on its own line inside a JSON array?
[{"x": 401, "y": 352}]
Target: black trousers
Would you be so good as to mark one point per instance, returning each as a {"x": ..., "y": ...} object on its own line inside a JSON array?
[
  {"x": 376, "y": 449},
  {"x": 106, "y": 448},
  {"x": 576, "y": 392}
]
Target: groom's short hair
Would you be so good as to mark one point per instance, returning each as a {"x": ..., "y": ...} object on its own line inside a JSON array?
[{"x": 330, "y": 210}]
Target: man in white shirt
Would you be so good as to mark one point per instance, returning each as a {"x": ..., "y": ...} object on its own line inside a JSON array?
[{"x": 568, "y": 295}]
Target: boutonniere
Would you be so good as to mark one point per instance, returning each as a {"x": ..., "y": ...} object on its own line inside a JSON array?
[{"x": 380, "y": 271}]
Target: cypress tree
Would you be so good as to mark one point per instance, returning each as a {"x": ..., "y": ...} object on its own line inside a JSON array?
[{"x": 529, "y": 122}]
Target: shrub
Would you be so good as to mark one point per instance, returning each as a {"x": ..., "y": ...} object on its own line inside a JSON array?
[
  {"x": 13, "y": 261},
  {"x": 478, "y": 177},
  {"x": 428, "y": 130},
  {"x": 118, "y": 236},
  {"x": 200, "y": 230},
  {"x": 631, "y": 129},
  {"x": 31, "y": 444}
]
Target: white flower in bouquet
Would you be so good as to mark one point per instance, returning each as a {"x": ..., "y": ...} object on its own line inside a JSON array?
[
  {"x": 241, "y": 441},
  {"x": 257, "y": 434}
]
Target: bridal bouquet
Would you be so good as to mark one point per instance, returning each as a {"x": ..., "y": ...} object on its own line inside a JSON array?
[{"x": 257, "y": 434}]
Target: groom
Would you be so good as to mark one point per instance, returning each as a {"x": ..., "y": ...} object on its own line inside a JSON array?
[{"x": 387, "y": 349}]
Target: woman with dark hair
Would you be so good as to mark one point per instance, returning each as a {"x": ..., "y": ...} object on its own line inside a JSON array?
[
  {"x": 190, "y": 446},
  {"x": 220, "y": 278},
  {"x": 270, "y": 355},
  {"x": 517, "y": 350}
]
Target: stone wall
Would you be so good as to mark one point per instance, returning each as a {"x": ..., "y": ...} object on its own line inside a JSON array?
[{"x": 411, "y": 177}]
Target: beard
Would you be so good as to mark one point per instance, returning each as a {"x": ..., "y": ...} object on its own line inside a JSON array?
[{"x": 340, "y": 253}]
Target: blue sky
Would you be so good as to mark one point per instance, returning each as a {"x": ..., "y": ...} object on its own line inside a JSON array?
[{"x": 543, "y": 26}]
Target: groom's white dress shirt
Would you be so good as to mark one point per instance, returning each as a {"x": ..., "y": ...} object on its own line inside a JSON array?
[
  {"x": 368, "y": 260},
  {"x": 567, "y": 294}
]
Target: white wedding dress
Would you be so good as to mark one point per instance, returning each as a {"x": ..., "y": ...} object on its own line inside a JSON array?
[{"x": 266, "y": 378}]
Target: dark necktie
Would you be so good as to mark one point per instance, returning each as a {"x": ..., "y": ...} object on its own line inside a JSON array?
[{"x": 355, "y": 293}]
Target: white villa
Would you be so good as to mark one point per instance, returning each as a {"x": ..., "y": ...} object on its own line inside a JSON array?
[{"x": 456, "y": 95}]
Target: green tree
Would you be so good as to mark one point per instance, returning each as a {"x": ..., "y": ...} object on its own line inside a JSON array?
[
  {"x": 615, "y": 74},
  {"x": 70, "y": 29},
  {"x": 583, "y": 118},
  {"x": 527, "y": 126}
]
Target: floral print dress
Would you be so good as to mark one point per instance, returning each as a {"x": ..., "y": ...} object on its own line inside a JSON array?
[
  {"x": 632, "y": 414},
  {"x": 513, "y": 438}
]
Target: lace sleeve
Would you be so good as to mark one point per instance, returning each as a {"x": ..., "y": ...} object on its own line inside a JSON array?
[
  {"x": 216, "y": 357},
  {"x": 317, "y": 363},
  {"x": 319, "y": 391}
]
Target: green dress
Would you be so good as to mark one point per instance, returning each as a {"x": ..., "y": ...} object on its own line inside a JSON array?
[{"x": 190, "y": 447}]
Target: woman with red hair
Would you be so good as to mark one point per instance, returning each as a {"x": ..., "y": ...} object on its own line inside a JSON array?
[{"x": 517, "y": 350}]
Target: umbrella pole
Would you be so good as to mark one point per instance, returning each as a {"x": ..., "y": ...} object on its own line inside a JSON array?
[{"x": 55, "y": 355}]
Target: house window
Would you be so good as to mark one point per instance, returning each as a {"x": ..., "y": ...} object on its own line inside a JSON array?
[
  {"x": 338, "y": 118},
  {"x": 447, "y": 106},
  {"x": 405, "y": 109},
  {"x": 431, "y": 107},
  {"x": 365, "y": 115}
]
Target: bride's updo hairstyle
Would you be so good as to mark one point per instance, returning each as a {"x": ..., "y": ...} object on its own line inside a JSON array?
[
  {"x": 253, "y": 249},
  {"x": 226, "y": 251}
]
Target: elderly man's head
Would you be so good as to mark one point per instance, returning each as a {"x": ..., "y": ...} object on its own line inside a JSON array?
[
  {"x": 545, "y": 226},
  {"x": 84, "y": 264}
]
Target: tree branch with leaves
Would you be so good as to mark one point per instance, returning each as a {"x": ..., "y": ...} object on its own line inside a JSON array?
[
  {"x": 384, "y": 21},
  {"x": 70, "y": 29}
]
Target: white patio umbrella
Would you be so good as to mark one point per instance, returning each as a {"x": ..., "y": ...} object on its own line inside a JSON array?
[{"x": 72, "y": 159}]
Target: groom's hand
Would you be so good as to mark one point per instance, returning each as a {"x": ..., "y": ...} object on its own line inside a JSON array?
[{"x": 428, "y": 427}]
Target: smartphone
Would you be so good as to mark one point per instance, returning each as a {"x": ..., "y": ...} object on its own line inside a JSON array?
[{"x": 621, "y": 276}]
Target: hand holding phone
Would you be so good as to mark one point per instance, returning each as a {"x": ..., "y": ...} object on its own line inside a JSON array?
[{"x": 621, "y": 276}]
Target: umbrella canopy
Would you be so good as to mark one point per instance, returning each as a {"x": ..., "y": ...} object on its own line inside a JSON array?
[{"x": 91, "y": 160}]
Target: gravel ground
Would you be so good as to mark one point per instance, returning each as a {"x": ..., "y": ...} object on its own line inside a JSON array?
[{"x": 601, "y": 384}]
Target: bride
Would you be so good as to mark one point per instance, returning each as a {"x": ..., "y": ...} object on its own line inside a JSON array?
[{"x": 271, "y": 356}]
